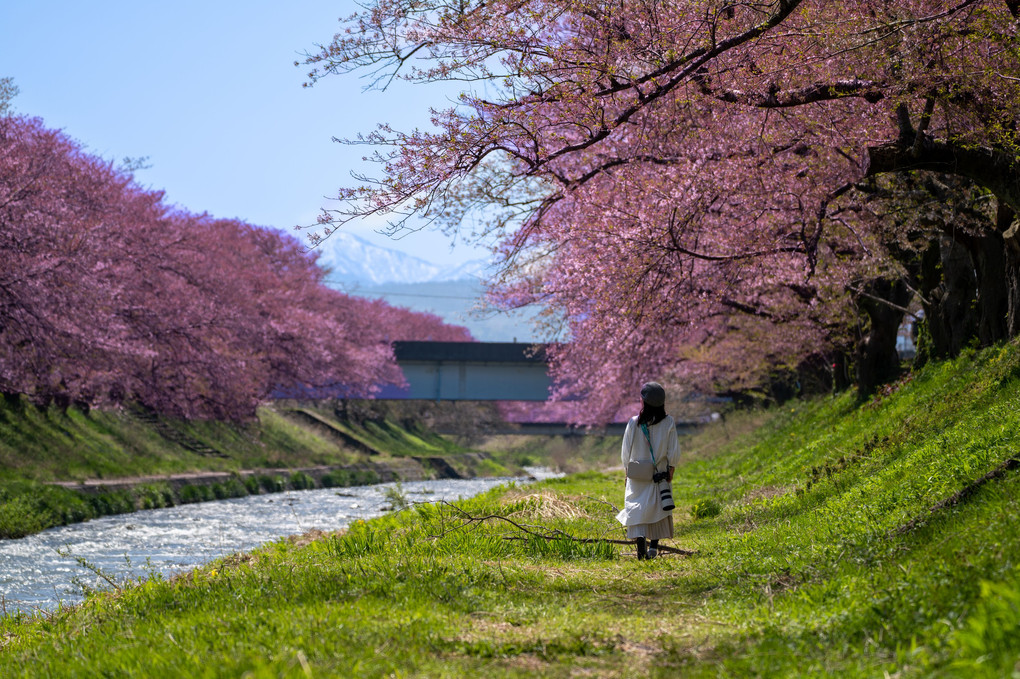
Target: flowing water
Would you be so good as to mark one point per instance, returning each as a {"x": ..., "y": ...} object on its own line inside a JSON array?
[{"x": 44, "y": 570}]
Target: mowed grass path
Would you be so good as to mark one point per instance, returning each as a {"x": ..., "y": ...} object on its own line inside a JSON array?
[{"x": 834, "y": 539}]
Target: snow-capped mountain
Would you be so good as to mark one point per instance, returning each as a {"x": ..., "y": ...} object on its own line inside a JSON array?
[
  {"x": 474, "y": 270},
  {"x": 354, "y": 261},
  {"x": 457, "y": 303},
  {"x": 360, "y": 268}
]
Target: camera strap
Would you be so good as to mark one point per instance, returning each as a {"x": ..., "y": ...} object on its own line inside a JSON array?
[{"x": 644, "y": 429}]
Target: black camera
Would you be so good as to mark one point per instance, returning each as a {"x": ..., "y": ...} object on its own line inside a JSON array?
[{"x": 660, "y": 476}]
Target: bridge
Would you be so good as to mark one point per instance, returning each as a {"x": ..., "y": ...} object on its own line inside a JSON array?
[
  {"x": 488, "y": 371},
  {"x": 471, "y": 371}
]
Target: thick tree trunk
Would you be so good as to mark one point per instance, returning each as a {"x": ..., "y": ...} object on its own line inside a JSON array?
[
  {"x": 989, "y": 257},
  {"x": 877, "y": 361},
  {"x": 948, "y": 288}
]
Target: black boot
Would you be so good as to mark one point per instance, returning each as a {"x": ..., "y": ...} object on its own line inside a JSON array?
[
  {"x": 653, "y": 549},
  {"x": 642, "y": 549}
]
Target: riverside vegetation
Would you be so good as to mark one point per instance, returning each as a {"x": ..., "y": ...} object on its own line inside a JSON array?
[
  {"x": 830, "y": 538},
  {"x": 360, "y": 443}
]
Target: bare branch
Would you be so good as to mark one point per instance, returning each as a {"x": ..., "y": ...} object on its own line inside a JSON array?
[
  {"x": 555, "y": 534},
  {"x": 869, "y": 90}
]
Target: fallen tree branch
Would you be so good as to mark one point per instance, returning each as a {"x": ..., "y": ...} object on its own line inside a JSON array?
[
  {"x": 608, "y": 504},
  {"x": 661, "y": 547},
  {"x": 554, "y": 534}
]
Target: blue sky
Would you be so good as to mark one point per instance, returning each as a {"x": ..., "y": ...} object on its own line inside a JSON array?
[{"x": 209, "y": 93}]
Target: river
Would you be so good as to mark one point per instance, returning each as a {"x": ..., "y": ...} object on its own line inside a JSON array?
[{"x": 43, "y": 570}]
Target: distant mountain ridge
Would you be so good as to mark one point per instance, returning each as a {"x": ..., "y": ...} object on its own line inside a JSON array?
[
  {"x": 360, "y": 268},
  {"x": 457, "y": 302},
  {"x": 354, "y": 261}
]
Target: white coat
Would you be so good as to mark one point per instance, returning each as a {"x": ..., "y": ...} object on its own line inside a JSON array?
[{"x": 641, "y": 498}]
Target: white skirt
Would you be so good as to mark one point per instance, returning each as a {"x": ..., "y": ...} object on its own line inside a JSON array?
[{"x": 660, "y": 530}]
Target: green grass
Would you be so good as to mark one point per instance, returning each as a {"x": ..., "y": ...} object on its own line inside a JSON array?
[
  {"x": 42, "y": 445},
  {"x": 825, "y": 546}
]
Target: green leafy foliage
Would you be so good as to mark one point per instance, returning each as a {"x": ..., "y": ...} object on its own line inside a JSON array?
[
  {"x": 988, "y": 639},
  {"x": 705, "y": 508},
  {"x": 27, "y": 507},
  {"x": 301, "y": 481},
  {"x": 396, "y": 496}
]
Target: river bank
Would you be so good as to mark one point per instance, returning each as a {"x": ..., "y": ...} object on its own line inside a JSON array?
[
  {"x": 58, "y": 566},
  {"x": 833, "y": 539},
  {"x": 61, "y": 466}
]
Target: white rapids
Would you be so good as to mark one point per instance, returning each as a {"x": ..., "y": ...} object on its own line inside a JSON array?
[{"x": 42, "y": 571}]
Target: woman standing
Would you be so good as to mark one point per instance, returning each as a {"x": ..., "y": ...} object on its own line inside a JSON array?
[{"x": 649, "y": 436}]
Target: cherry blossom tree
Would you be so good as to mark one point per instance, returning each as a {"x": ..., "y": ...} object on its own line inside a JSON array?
[
  {"x": 109, "y": 296},
  {"x": 697, "y": 185},
  {"x": 55, "y": 308}
]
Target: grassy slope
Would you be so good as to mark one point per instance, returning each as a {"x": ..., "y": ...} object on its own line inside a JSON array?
[
  {"x": 51, "y": 444},
  {"x": 43, "y": 445},
  {"x": 818, "y": 554}
]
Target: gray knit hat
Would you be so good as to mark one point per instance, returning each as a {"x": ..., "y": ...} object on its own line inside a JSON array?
[{"x": 653, "y": 394}]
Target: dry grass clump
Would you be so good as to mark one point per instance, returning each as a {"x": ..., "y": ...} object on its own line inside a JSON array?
[
  {"x": 765, "y": 493},
  {"x": 543, "y": 505},
  {"x": 308, "y": 537}
]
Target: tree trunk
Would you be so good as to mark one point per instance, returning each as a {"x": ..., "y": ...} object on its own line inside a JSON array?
[
  {"x": 989, "y": 256},
  {"x": 841, "y": 378},
  {"x": 948, "y": 288},
  {"x": 1009, "y": 226},
  {"x": 877, "y": 359},
  {"x": 1013, "y": 288}
]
